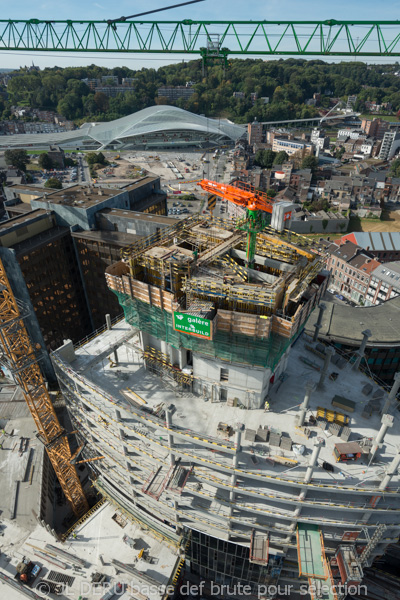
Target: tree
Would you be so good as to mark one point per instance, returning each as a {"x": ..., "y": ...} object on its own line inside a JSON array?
[
  {"x": 53, "y": 183},
  {"x": 395, "y": 168},
  {"x": 101, "y": 101},
  {"x": 93, "y": 158},
  {"x": 45, "y": 161},
  {"x": 264, "y": 158},
  {"x": 69, "y": 162},
  {"x": 281, "y": 158},
  {"x": 310, "y": 162},
  {"x": 271, "y": 192},
  {"x": 17, "y": 158}
]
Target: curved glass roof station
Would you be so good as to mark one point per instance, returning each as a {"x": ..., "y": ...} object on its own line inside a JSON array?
[
  {"x": 153, "y": 127},
  {"x": 165, "y": 126}
]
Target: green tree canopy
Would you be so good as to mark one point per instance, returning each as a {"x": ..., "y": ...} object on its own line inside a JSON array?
[
  {"x": 280, "y": 158},
  {"x": 93, "y": 158},
  {"x": 45, "y": 161},
  {"x": 17, "y": 158},
  {"x": 310, "y": 162},
  {"x": 53, "y": 183},
  {"x": 264, "y": 158},
  {"x": 395, "y": 168}
]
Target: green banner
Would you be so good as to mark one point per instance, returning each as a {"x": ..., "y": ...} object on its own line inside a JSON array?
[{"x": 192, "y": 325}]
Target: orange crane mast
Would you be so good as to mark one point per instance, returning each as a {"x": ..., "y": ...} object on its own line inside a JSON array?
[
  {"x": 248, "y": 197},
  {"x": 20, "y": 357}
]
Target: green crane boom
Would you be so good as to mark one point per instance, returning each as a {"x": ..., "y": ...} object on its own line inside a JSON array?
[{"x": 208, "y": 39}]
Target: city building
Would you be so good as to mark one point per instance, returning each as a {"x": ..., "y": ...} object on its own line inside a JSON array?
[
  {"x": 353, "y": 134},
  {"x": 42, "y": 267},
  {"x": 390, "y": 143},
  {"x": 57, "y": 156},
  {"x": 254, "y": 133},
  {"x": 111, "y": 80},
  {"x": 196, "y": 404},
  {"x": 173, "y": 93},
  {"x": 351, "y": 269},
  {"x": 291, "y": 146},
  {"x": 383, "y": 245},
  {"x": 384, "y": 283},
  {"x": 47, "y": 245},
  {"x": 375, "y": 128},
  {"x": 113, "y": 90},
  {"x": 319, "y": 139}
]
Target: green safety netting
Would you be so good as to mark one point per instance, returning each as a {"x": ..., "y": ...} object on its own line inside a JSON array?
[{"x": 225, "y": 346}]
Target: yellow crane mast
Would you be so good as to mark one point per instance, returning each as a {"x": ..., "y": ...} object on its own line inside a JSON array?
[{"x": 20, "y": 356}]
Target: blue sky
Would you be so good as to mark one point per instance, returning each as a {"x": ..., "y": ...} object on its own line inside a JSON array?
[{"x": 214, "y": 10}]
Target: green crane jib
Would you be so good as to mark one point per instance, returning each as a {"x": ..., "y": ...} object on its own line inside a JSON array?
[{"x": 212, "y": 40}]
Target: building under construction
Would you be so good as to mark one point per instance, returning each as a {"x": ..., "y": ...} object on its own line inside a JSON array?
[{"x": 264, "y": 456}]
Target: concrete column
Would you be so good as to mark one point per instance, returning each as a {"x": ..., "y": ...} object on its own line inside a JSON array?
[
  {"x": 317, "y": 325},
  {"x": 392, "y": 393},
  {"x": 327, "y": 362},
  {"x": 391, "y": 470},
  {"x": 115, "y": 355},
  {"x": 360, "y": 352},
  {"x": 176, "y": 508},
  {"x": 387, "y": 421},
  {"x": 233, "y": 483},
  {"x": 168, "y": 419},
  {"x": 238, "y": 437},
  {"x": 108, "y": 321},
  {"x": 313, "y": 461},
  {"x": 310, "y": 387},
  {"x": 182, "y": 358}
]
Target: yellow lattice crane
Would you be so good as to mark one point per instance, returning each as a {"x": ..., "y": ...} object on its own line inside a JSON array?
[{"x": 21, "y": 358}]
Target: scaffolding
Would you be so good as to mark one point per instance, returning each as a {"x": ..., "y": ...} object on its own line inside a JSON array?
[
  {"x": 160, "y": 364},
  {"x": 232, "y": 347},
  {"x": 259, "y": 548}
]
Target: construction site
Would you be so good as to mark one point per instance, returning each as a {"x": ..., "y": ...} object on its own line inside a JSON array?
[{"x": 229, "y": 446}]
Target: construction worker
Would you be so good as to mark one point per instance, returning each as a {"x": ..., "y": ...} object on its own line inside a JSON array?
[{"x": 266, "y": 406}]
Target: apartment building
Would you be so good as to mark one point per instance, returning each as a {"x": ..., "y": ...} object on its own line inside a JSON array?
[
  {"x": 375, "y": 128},
  {"x": 291, "y": 146},
  {"x": 351, "y": 269},
  {"x": 254, "y": 133},
  {"x": 384, "y": 284},
  {"x": 390, "y": 143},
  {"x": 175, "y": 92}
]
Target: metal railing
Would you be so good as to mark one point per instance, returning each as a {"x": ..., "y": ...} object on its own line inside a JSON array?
[{"x": 98, "y": 331}]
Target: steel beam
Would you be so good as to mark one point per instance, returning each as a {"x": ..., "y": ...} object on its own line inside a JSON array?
[{"x": 211, "y": 40}]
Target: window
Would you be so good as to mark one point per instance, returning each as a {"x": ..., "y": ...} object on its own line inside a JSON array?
[{"x": 224, "y": 376}]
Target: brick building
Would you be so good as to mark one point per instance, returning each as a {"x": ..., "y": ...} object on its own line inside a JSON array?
[{"x": 351, "y": 269}]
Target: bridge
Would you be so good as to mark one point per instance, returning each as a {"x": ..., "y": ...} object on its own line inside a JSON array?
[
  {"x": 209, "y": 40},
  {"x": 319, "y": 119}
]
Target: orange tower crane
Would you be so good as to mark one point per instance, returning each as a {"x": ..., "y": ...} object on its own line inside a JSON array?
[
  {"x": 253, "y": 200},
  {"x": 19, "y": 356}
]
